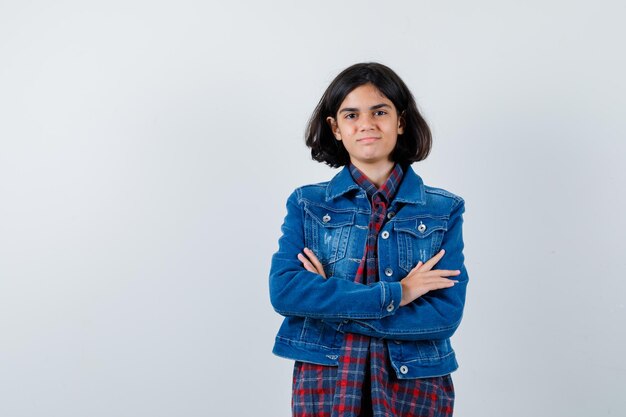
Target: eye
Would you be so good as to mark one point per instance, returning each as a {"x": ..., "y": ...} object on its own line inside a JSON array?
[
  {"x": 380, "y": 113},
  {"x": 350, "y": 116}
]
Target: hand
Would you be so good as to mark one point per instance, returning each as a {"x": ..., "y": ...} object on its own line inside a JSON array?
[
  {"x": 422, "y": 280},
  {"x": 312, "y": 264}
]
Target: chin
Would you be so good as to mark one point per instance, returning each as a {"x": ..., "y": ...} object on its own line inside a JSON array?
[{"x": 371, "y": 160}]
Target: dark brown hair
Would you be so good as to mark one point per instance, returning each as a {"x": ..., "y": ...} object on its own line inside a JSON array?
[{"x": 414, "y": 145}]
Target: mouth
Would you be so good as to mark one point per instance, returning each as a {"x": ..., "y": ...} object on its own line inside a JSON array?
[{"x": 368, "y": 139}]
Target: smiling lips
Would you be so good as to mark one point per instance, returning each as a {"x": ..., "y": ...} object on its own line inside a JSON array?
[{"x": 368, "y": 139}]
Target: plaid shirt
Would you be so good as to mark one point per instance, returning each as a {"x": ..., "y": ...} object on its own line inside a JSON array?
[{"x": 364, "y": 384}]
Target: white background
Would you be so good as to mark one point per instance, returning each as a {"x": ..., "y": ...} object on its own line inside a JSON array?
[{"x": 147, "y": 149}]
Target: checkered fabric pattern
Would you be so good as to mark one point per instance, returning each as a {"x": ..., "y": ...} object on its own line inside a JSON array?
[{"x": 364, "y": 383}]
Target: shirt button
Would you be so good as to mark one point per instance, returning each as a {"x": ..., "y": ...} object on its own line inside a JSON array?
[
  {"x": 390, "y": 214},
  {"x": 384, "y": 234},
  {"x": 397, "y": 342},
  {"x": 390, "y": 307},
  {"x": 326, "y": 218},
  {"x": 388, "y": 272},
  {"x": 421, "y": 227},
  {"x": 404, "y": 370}
]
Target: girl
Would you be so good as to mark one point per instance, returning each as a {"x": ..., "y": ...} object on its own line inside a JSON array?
[{"x": 369, "y": 272}]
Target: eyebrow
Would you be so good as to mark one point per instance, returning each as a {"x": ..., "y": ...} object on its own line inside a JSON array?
[{"x": 354, "y": 109}]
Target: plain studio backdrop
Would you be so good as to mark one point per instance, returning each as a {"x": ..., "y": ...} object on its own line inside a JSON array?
[{"x": 148, "y": 148}]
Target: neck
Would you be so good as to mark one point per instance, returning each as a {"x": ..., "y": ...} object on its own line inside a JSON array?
[{"x": 377, "y": 172}]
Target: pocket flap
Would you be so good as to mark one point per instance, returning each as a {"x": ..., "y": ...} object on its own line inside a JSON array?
[
  {"x": 328, "y": 217},
  {"x": 420, "y": 227}
]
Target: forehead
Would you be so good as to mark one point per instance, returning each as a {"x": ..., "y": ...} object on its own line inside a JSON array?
[{"x": 364, "y": 96}]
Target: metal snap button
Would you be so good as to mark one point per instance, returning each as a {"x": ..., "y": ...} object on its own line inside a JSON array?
[
  {"x": 326, "y": 218},
  {"x": 390, "y": 307},
  {"x": 390, "y": 214},
  {"x": 397, "y": 342},
  {"x": 421, "y": 227},
  {"x": 404, "y": 369},
  {"x": 384, "y": 234},
  {"x": 388, "y": 272}
]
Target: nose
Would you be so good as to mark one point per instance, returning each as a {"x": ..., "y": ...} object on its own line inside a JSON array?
[{"x": 367, "y": 122}]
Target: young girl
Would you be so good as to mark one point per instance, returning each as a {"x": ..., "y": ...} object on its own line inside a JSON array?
[{"x": 369, "y": 271}]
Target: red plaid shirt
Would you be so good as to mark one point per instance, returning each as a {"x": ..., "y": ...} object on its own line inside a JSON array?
[{"x": 364, "y": 384}]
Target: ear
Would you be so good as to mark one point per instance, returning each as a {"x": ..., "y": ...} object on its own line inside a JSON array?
[
  {"x": 401, "y": 123},
  {"x": 334, "y": 127}
]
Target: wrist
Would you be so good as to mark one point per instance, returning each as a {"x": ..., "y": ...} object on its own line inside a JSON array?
[{"x": 405, "y": 292}]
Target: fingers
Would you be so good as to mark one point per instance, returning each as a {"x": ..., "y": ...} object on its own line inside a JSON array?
[
  {"x": 439, "y": 280},
  {"x": 316, "y": 262},
  {"x": 434, "y": 276},
  {"x": 421, "y": 284},
  {"x": 428, "y": 265},
  {"x": 438, "y": 284},
  {"x": 435, "y": 273},
  {"x": 305, "y": 262},
  {"x": 432, "y": 284},
  {"x": 416, "y": 267},
  {"x": 443, "y": 272},
  {"x": 311, "y": 263}
]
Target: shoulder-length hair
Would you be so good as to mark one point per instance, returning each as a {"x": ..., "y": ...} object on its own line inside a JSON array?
[{"x": 413, "y": 145}]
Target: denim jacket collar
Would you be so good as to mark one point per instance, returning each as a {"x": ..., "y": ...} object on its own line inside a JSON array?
[{"x": 411, "y": 188}]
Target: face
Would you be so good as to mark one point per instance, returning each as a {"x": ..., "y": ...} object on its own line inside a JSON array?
[{"x": 368, "y": 125}]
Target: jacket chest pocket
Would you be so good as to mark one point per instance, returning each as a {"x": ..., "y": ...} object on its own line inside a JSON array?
[
  {"x": 327, "y": 232},
  {"x": 418, "y": 240}
]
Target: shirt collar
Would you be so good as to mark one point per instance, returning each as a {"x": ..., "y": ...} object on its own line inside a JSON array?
[
  {"x": 410, "y": 190},
  {"x": 387, "y": 190}
]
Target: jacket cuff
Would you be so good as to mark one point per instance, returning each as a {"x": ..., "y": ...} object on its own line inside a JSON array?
[{"x": 392, "y": 296}]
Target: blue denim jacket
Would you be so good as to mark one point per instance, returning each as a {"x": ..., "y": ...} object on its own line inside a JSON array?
[{"x": 331, "y": 218}]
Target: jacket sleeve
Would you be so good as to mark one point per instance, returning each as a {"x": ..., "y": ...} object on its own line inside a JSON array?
[
  {"x": 294, "y": 291},
  {"x": 436, "y": 314}
]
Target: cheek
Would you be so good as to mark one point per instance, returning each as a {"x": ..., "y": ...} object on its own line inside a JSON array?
[
  {"x": 348, "y": 145},
  {"x": 346, "y": 129},
  {"x": 391, "y": 145},
  {"x": 393, "y": 137}
]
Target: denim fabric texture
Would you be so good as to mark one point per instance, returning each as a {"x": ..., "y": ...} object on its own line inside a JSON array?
[{"x": 331, "y": 218}]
